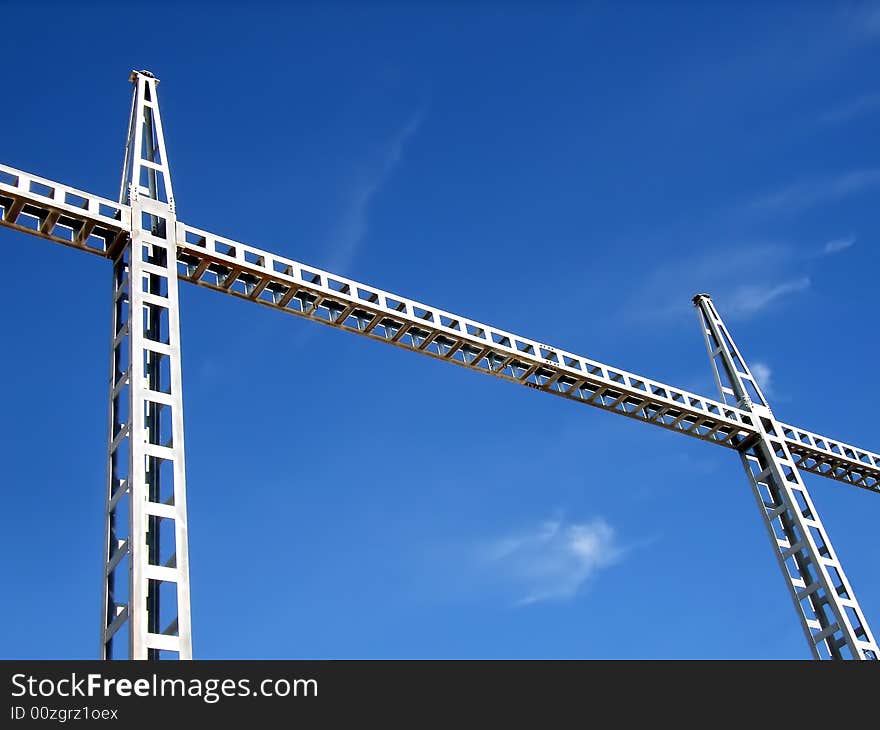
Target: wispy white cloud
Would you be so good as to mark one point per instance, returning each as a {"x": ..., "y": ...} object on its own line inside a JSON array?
[
  {"x": 743, "y": 279},
  {"x": 851, "y": 109},
  {"x": 806, "y": 194},
  {"x": 856, "y": 24},
  {"x": 750, "y": 299},
  {"x": 872, "y": 22},
  {"x": 554, "y": 560},
  {"x": 763, "y": 374},
  {"x": 837, "y": 245},
  {"x": 354, "y": 221},
  {"x": 865, "y": 20}
]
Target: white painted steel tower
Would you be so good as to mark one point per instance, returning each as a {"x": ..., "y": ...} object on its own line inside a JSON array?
[{"x": 146, "y": 598}]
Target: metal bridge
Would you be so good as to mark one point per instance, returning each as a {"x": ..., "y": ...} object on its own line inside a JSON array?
[{"x": 146, "y": 547}]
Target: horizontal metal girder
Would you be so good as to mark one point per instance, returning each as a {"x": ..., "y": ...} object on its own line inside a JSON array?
[
  {"x": 61, "y": 213},
  {"x": 210, "y": 260},
  {"x": 832, "y": 458},
  {"x": 98, "y": 225}
]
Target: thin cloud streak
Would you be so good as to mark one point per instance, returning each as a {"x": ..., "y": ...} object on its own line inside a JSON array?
[
  {"x": 553, "y": 561},
  {"x": 867, "y": 21},
  {"x": 838, "y": 245},
  {"x": 861, "y": 24},
  {"x": 763, "y": 374},
  {"x": 851, "y": 109},
  {"x": 354, "y": 222},
  {"x": 803, "y": 195},
  {"x": 665, "y": 296},
  {"x": 748, "y": 300}
]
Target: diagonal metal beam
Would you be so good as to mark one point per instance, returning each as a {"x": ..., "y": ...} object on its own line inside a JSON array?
[{"x": 830, "y": 615}]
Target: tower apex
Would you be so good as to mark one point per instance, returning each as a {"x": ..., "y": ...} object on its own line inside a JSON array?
[{"x": 143, "y": 72}]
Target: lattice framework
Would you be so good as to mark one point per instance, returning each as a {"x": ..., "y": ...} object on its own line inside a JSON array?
[{"x": 146, "y": 566}]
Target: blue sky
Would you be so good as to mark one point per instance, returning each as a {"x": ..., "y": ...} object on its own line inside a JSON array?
[{"x": 573, "y": 173}]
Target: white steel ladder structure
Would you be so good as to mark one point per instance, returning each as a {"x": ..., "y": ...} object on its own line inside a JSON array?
[
  {"x": 831, "y": 617},
  {"x": 146, "y": 568},
  {"x": 145, "y": 454}
]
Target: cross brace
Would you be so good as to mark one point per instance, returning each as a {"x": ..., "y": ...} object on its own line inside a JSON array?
[
  {"x": 145, "y": 516},
  {"x": 90, "y": 223}
]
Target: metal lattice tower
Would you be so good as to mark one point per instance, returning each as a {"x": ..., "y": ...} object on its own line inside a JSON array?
[
  {"x": 830, "y": 615},
  {"x": 145, "y": 452},
  {"x": 145, "y": 562}
]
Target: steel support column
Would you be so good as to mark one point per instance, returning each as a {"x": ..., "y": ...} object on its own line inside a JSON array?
[
  {"x": 146, "y": 604},
  {"x": 146, "y": 527},
  {"x": 829, "y": 613}
]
